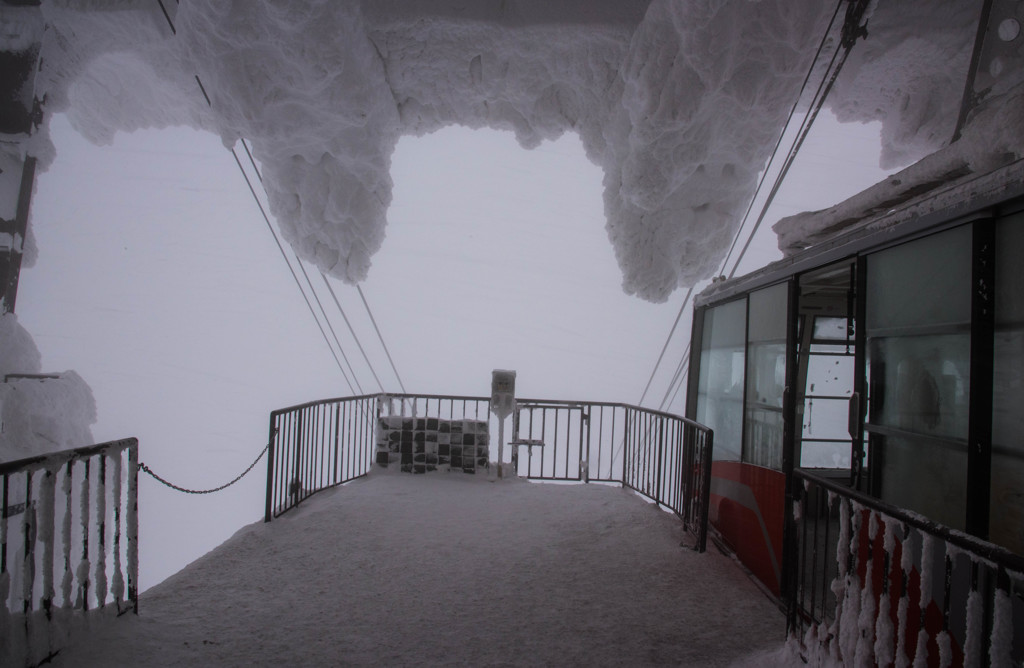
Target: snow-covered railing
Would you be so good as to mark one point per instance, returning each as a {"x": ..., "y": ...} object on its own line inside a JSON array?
[
  {"x": 665, "y": 457},
  {"x": 68, "y": 542},
  {"x": 873, "y": 584}
]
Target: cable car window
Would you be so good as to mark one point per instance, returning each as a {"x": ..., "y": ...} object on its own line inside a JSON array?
[
  {"x": 720, "y": 393},
  {"x": 918, "y": 331},
  {"x": 766, "y": 377}
]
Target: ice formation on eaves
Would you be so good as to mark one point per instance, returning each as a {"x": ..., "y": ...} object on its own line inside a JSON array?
[{"x": 680, "y": 103}]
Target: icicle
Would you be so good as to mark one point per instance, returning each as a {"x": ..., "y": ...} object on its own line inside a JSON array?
[
  {"x": 866, "y": 617},
  {"x": 29, "y": 567},
  {"x": 849, "y": 619},
  {"x": 906, "y": 567},
  {"x": 884, "y": 632},
  {"x": 839, "y": 584},
  {"x": 973, "y": 641},
  {"x": 100, "y": 569},
  {"x": 65, "y": 534},
  {"x": 82, "y": 572},
  {"x": 117, "y": 586},
  {"x": 45, "y": 528},
  {"x": 1001, "y": 646},
  {"x": 945, "y": 644}
]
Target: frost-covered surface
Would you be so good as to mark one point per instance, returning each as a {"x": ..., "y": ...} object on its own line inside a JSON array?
[
  {"x": 984, "y": 161},
  {"x": 38, "y": 415},
  {"x": 679, "y": 103},
  {"x": 445, "y": 569}
]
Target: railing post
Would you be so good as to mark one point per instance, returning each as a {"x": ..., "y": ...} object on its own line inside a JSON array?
[
  {"x": 625, "y": 447},
  {"x": 272, "y": 446},
  {"x": 133, "y": 526},
  {"x": 705, "y": 489},
  {"x": 661, "y": 458}
]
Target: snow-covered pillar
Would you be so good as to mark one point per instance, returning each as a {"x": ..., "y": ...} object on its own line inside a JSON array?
[{"x": 21, "y": 32}]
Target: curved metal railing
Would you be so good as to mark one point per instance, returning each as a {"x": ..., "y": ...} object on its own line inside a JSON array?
[{"x": 664, "y": 457}]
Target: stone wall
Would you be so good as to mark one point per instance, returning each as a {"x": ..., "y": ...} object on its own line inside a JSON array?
[{"x": 419, "y": 445}]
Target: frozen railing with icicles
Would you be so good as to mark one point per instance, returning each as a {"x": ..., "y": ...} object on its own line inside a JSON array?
[
  {"x": 875, "y": 584},
  {"x": 68, "y": 544}
]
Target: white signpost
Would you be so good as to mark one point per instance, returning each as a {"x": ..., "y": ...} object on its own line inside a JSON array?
[{"x": 503, "y": 402}]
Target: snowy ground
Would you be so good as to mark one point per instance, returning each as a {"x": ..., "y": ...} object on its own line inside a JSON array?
[{"x": 451, "y": 569}]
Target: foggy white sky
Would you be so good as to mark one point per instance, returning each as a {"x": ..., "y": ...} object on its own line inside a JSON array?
[{"x": 159, "y": 283}]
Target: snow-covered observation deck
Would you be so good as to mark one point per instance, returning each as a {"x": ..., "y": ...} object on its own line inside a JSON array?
[
  {"x": 476, "y": 572},
  {"x": 396, "y": 569}
]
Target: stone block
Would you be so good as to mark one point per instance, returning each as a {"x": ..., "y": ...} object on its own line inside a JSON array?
[{"x": 383, "y": 458}]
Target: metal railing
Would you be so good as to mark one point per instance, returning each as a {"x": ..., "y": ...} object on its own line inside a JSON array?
[
  {"x": 662, "y": 456},
  {"x": 68, "y": 542},
  {"x": 871, "y": 581}
]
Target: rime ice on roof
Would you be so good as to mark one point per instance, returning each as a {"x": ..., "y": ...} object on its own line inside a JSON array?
[{"x": 679, "y": 103}]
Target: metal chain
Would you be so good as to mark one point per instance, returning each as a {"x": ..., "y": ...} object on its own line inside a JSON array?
[{"x": 145, "y": 468}]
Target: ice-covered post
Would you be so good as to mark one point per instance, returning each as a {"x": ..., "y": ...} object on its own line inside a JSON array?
[{"x": 503, "y": 401}]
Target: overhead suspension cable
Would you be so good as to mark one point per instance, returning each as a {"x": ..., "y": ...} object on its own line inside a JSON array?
[
  {"x": 677, "y": 379},
  {"x": 266, "y": 218},
  {"x": 851, "y": 29},
  {"x": 379, "y": 336},
  {"x": 782, "y": 134},
  {"x": 352, "y": 331},
  {"x": 665, "y": 347},
  {"x": 342, "y": 311},
  {"x": 291, "y": 269},
  {"x": 351, "y": 369}
]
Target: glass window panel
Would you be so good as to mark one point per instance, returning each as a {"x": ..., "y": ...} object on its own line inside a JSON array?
[
  {"x": 830, "y": 375},
  {"x": 768, "y": 309},
  {"x": 924, "y": 476},
  {"x": 1006, "y": 526},
  {"x": 766, "y": 376},
  {"x": 815, "y": 455},
  {"x": 921, "y": 384},
  {"x": 831, "y": 328},
  {"x": 924, "y": 282},
  {"x": 826, "y": 418},
  {"x": 720, "y": 383}
]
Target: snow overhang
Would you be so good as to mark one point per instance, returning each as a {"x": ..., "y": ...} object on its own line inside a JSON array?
[{"x": 680, "y": 104}]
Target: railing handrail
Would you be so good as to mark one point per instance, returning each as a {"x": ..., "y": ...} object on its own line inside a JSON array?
[
  {"x": 63, "y": 456},
  {"x": 990, "y": 551},
  {"x": 456, "y": 397}
]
